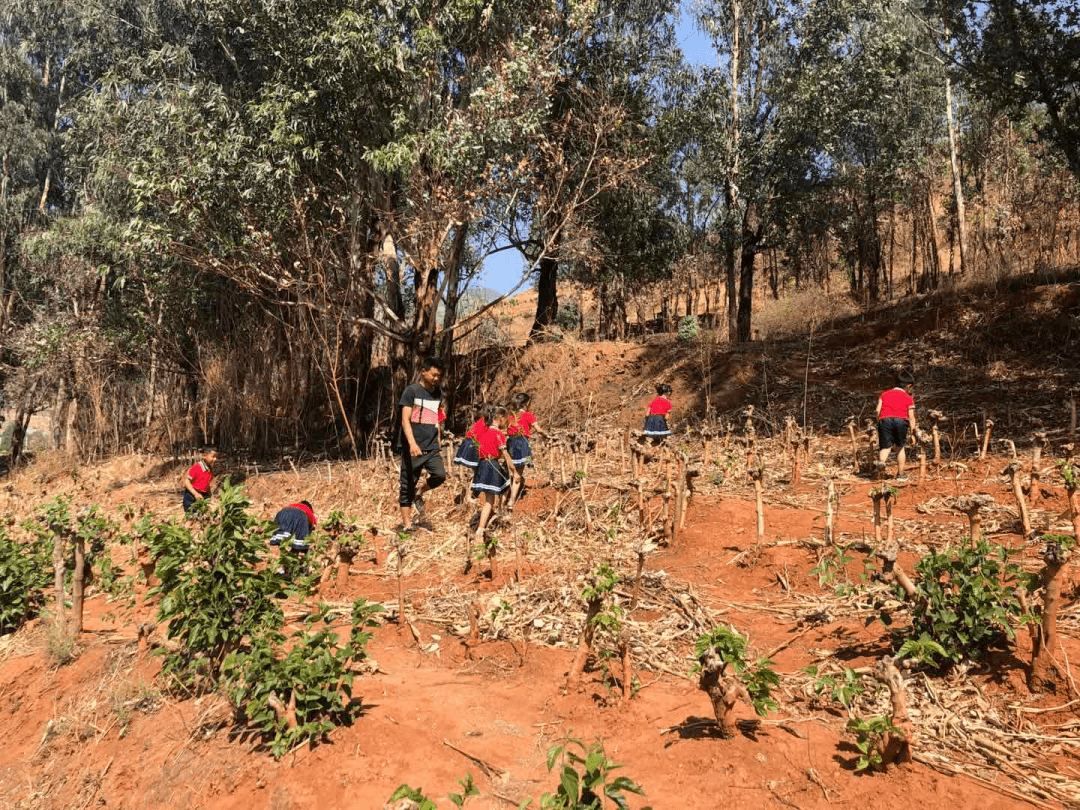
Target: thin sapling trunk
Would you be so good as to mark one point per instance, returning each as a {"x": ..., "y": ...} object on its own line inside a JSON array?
[
  {"x": 756, "y": 475},
  {"x": 891, "y": 572},
  {"x": 829, "y": 515},
  {"x": 627, "y": 667},
  {"x": 877, "y": 495},
  {"x": 1035, "y": 487},
  {"x": 492, "y": 553},
  {"x": 724, "y": 691},
  {"x": 897, "y": 745},
  {"x": 854, "y": 444},
  {"x": 1014, "y": 472},
  {"x": 986, "y": 439},
  {"x": 58, "y": 572},
  {"x": 78, "y": 584},
  {"x": 936, "y": 417},
  {"x": 400, "y": 547},
  {"x": 584, "y": 500},
  {"x": 585, "y": 640},
  {"x": 287, "y": 714},
  {"x": 974, "y": 506},
  {"x": 1055, "y": 555}
]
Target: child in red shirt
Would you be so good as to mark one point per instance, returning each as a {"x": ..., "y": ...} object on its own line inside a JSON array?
[
  {"x": 490, "y": 479},
  {"x": 656, "y": 424},
  {"x": 896, "y": 421},
  {"x": 198, "y": 477},
  {"x": 294, "y": 523},
  {"x": 522, "y": 423},
  {"x": 466, "y": 453}
]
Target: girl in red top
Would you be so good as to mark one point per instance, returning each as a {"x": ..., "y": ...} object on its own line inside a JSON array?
[
  {"x": 198, "y": 478},
  {"x": 466, "y": 453},
  {"x": 896, "y": 421},
  {"x": 656, "y": 424},
  {"x": 294, "y": 523},
  {"x": 490, "y": 479},
  {"x": 522, "y": 424}
]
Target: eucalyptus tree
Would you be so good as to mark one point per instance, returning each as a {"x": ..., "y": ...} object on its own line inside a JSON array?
[
  {"x": 313, "y": 180},
  {"x": 870, "y": 88},
  {"x": 316, "y": 167},
  {"x": 1020, "y": 53},
  {"x": 610, "y": 66},
  {"x": 754, "y": 128}
]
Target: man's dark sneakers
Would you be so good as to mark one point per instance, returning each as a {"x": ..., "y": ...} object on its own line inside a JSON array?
[{"x": 418, "y": 505}]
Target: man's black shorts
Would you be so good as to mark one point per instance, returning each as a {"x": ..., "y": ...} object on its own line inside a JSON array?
[{"x": 892, "y": 432}]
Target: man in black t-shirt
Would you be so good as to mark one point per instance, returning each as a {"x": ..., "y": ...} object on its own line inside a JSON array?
[{"x": 422, "y": 437}]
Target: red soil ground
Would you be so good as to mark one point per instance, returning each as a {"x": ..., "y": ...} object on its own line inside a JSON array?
[{"x": 67, "y": 745}]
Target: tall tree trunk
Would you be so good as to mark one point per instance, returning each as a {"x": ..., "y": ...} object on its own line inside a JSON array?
[
  {"x": 547, "y": 296},
  {"x": 5, "y": 179},
  {"x": 452, "y": 287},
  {"x": 400, "y": 359},
  {"x": 730, "y": 260},
  {"x": 732, "y": 187},
  {"x": 746, "y": 286},
  {"x": 151, "y": 386},
  {"x": 954, "y": 166},
  {"x": 932, "y": 238}
]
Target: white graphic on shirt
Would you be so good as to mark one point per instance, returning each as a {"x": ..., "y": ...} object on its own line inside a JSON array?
[{"x": 425, "y": 411}]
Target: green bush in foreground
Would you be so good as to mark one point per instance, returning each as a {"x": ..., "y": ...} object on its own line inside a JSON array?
[{"x": 221, "y": 599}]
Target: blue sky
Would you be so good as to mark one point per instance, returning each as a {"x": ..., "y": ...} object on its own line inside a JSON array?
[{"x": 503, "y": 270}]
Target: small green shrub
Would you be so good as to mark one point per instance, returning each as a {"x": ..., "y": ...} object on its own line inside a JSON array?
[
  {"x": 220, "y": 599},
  {"x": 214, "y": 592},
  {"x": 585, "y": 781},
  {"x": 468, "y": 790},
  {"x": 870, "y": 738},
  {"x": 688, "y": 329},
  {"x": 966, "y": 603},
  {"x": 842, "y": 689},
  {"x": 25, "y": 573},
  {"x": 313, "y": 675},
  {"x": 568, "y": 317},
  {"x": 730, "y": 648}
]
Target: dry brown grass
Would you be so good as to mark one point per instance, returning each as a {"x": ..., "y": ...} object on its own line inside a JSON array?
[{"x": 799, "y": 312}]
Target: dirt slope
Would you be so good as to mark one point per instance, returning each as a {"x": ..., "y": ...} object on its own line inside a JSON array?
[{"x": 100, "y": 731}]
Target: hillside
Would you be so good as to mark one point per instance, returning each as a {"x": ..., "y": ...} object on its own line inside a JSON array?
[{"x": 96, "y": 726}]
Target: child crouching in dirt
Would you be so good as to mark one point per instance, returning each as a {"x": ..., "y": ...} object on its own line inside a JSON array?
[
  {"x": 656, "y": 423},
  {"x": 490, "y": 479},
  {"x": 198, "y": 478},
  {"x": 294, "y": 523},
  {"x": 896, "y": 421}
]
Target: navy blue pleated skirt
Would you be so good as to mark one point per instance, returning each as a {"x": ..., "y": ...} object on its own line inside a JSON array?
[
  {"x": 293, "y": 527},
  {"x": 467, "y": 453},
  {"x": 518, "y": 448},
  {"x": 656, "y": 425},
  {"x": 490, "y": 477}
]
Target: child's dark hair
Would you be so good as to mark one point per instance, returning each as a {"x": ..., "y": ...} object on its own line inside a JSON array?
[
  {"x": 308, "y": 505},
  {"x": 663, "y": 389},
  {"x": 207, "y": 448},
  {"x": 493, "y": 412},
  {"x": 520, "y": 401},
  {"x": 431, "y": 361},
  {"x": 904, "y": 378}
]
